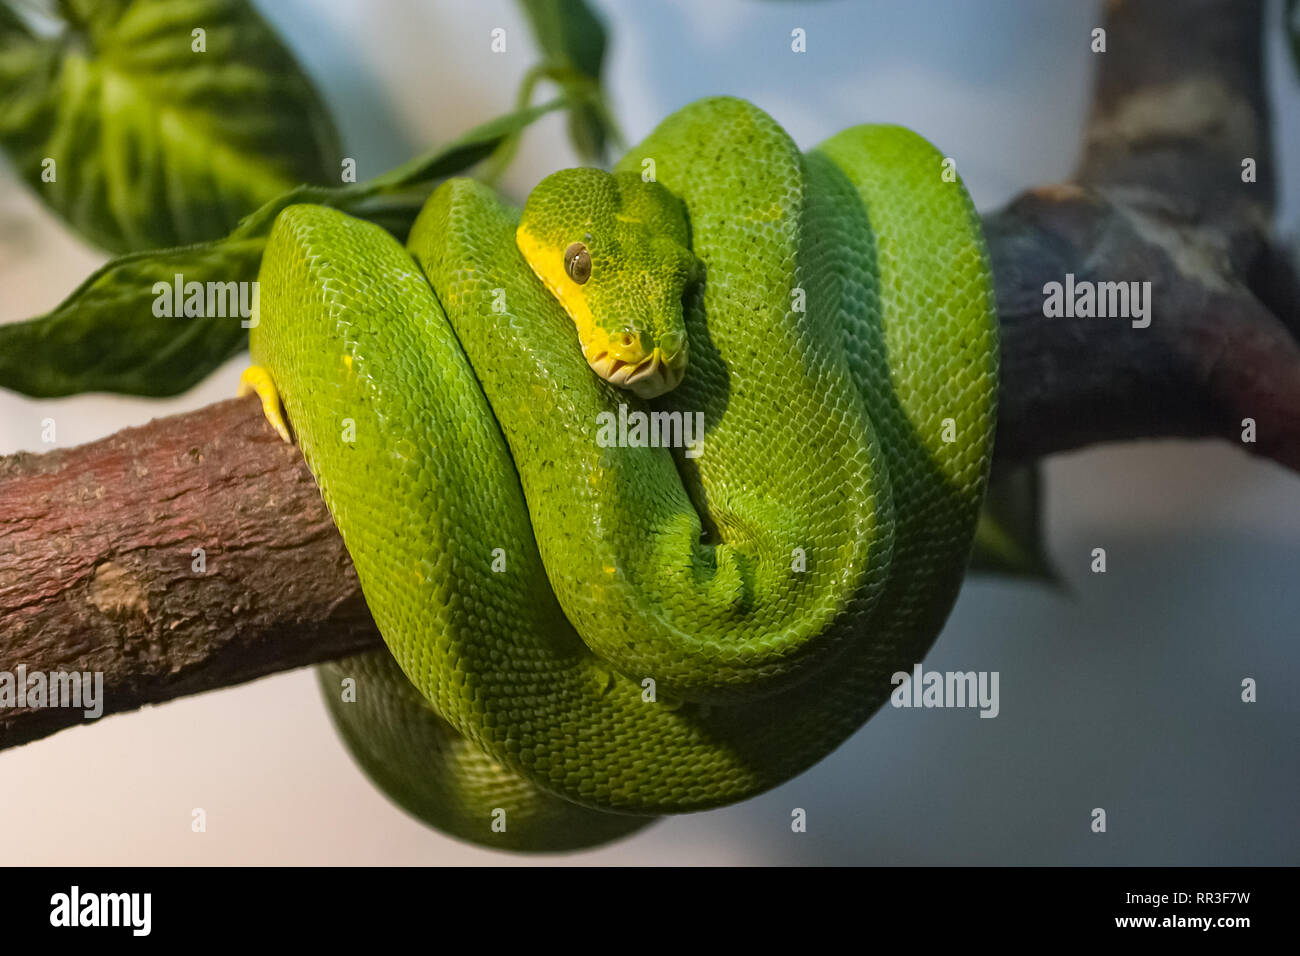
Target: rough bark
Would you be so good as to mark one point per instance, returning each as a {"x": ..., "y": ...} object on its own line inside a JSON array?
[
  {"x": 1159, "y": 196},
  {"x": 97, "y": 562}
]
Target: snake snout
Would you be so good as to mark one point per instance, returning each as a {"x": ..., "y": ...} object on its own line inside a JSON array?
[{"x": 649, "y": 377}]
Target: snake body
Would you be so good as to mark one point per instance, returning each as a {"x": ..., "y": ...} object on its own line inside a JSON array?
[{"x": 577, "y": 629}]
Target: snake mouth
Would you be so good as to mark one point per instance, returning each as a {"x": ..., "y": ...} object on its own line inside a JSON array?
[{"x": 648, "y": 377}]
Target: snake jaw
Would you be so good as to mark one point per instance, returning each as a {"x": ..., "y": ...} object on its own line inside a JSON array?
[{"x": 648, "y": 377}]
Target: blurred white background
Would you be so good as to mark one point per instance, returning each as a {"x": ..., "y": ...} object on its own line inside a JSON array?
[{"x": 1120, "y": 692}]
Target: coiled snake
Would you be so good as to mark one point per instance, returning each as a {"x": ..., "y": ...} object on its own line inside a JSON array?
[{"x": 585, "y": 626}]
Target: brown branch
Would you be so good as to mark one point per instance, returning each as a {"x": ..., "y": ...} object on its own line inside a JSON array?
[
  {"x": 96, "y": 543},
  {"x": 97, "y": 564}
]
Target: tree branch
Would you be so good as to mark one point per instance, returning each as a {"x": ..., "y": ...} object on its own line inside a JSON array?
[
  {"x": 1159, "y": 197},
  {"x": 97, "y": 543},
  {"x": 98, "y": 564}
]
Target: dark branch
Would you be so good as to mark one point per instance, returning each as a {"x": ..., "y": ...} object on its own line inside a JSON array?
[
  {"x": 1159, "y": 197},
  {"x": 96, "y": 543}
]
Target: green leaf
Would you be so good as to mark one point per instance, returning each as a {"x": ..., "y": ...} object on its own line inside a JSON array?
[
  {"x": 154, "y": 143},
  {"x": 1009, "y": 536},
  {"x": 478, "y": 144},
  {"x": 106, "y": 336},
  {"x": 572, "y": 40},
  {"x": 569, "y": 34}
]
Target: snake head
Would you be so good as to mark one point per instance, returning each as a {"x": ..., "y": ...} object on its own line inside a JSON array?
[{"x": 615, "y": 252}]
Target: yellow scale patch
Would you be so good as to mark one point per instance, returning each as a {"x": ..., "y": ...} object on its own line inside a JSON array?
[{"x": 548, "y": 263}]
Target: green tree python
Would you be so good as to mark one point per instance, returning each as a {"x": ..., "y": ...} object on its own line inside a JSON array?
[{"x": 584, "y": 634}]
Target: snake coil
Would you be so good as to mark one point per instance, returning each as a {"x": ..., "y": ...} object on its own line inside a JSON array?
[{"x": 577, "y": 629}]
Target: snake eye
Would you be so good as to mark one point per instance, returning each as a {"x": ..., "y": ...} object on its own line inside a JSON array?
[{"x": 577, "y": 262}]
